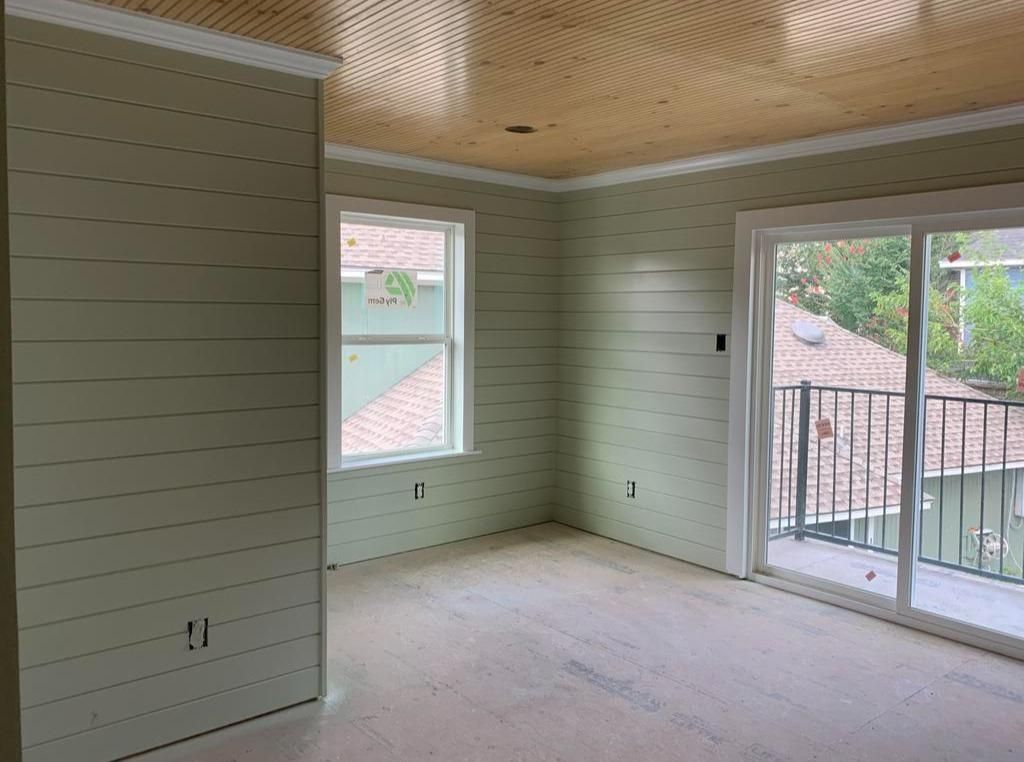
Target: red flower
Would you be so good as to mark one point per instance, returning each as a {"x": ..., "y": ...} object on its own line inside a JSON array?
[
  {"x": 828, "y": 247},
  {"x": 793, "y": 298}
]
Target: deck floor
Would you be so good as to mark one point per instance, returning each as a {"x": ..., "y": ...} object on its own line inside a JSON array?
[
  {"x": 959, "y": 595},
  {"x": 551, "y": 644}
]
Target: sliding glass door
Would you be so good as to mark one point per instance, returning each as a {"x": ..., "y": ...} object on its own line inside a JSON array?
[
  {"x": 838, "y": 375},
  {"x": 887, "y": 450},
  {"x": 970, "y": 543}
]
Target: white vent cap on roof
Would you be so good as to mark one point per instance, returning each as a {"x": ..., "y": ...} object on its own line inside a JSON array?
[{"x": 808, "y": 332}]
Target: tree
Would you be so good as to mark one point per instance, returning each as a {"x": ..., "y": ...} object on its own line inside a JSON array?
[
  {"x": 888, "y": 326},
  {"x": 994, "y": 317},
  {"x": 841, "y": 278},
  {"x": 863, "y": 285}
]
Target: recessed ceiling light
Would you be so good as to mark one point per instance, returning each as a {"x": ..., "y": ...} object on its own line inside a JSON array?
[{"x": 521, "y": 129}]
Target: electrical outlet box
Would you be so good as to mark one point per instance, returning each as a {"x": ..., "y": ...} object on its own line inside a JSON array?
[
  {"x": 631, "y": 489},
  {"x": 198, "y": 633},
  {"x": 720, "y": 342},
  {"x": 419, "y": 490}
]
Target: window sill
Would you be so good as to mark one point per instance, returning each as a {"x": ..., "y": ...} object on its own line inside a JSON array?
[{"x": 401, "y": 460}]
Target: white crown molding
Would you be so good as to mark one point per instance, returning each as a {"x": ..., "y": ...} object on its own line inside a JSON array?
[
  {"x": 832, "y": 143},
  {"x": 843, "y": 141},
  {"x": 164, "y": 33},
  {"x": 434, "y": 167}
]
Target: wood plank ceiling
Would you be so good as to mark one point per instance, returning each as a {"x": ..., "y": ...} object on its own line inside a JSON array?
[{"x": 617, "y": 83}]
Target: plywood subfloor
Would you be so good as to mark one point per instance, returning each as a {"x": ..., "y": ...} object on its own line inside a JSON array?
[{"x": 550, "y": 644}]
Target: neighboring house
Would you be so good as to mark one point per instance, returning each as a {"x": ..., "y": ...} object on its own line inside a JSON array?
[
  {"x": 855, "y": 474},
  {"x": 409, "y": 414},
  {"x": 393, "y": 397},
  {"x": 1003, "y": 247}
]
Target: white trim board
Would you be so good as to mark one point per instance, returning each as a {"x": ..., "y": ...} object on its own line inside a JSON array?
[
  {"x": 842, "y": 141},
  {"x": 983, "y": 206},
  {"x": 164, "y": 33}
]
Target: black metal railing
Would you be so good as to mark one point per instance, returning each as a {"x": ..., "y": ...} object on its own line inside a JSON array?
[{"x": 836, "y": 475}]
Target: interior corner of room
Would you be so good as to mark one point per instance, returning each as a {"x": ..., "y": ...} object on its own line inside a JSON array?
[{"x": 489, "y": 381}]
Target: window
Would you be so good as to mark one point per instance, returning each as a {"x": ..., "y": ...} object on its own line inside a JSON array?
[{"x": 400, "y": 331}]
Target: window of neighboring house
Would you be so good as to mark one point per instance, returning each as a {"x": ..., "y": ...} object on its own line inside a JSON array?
[{"x": 400, "y": 332}]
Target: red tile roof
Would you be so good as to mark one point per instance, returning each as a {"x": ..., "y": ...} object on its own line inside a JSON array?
[
  {"x": 369, "y": 247},
  {"x": 847, "y": 360},
  {"x": 408, "y": 415}
]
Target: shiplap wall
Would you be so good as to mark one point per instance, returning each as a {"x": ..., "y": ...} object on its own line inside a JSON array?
[
  {"x": 646, "y": 283},
  {"x": 165, "y": 238},
  {"x": 10, "y": 705},
  {"x": 372, "y": 512}
]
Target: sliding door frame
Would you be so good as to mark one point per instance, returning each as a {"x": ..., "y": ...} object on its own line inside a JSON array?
[{"x": 757, "y": 233}]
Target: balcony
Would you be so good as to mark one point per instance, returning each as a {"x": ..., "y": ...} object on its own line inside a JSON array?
[{"x": 836, "y": 487}]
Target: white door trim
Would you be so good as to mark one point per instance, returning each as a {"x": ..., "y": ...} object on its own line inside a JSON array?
[{"x": 756, "y": 234}]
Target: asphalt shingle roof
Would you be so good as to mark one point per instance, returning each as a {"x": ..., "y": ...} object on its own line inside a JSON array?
[
  {"x": 847, "y": 360},
  {"x": 371, "y": 247},
  {"x": 408, "y": 415}
]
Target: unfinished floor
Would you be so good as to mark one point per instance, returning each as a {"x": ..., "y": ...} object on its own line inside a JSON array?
[{"x": 551, "y": 644}]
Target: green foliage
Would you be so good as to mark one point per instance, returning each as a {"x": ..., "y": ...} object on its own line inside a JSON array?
[
  {"x": 888, "y": 327},
  {"x": 863, "y": 285},
  {"x": 841, "y": 278},
  {"x": 994, "y": 313}
]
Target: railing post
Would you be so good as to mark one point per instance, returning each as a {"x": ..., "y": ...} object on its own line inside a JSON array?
[{"x": 801, "y": 462}]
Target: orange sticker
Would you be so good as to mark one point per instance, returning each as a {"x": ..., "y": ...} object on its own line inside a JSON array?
[{"x": 824, "y": 428}]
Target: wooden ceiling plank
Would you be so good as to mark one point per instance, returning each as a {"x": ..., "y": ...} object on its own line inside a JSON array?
[
  {"x": 652, "y": 83},
  {"x": 434, "y": 39},
  {"x": 432, "y": 30},
  {"x": 523, "y": 44},
  {"x": 398, "y": 13},
  {"x": 231, "y": 16},
  {"x": 648, "y": 81},
  {"x": 598, "y": 44}
]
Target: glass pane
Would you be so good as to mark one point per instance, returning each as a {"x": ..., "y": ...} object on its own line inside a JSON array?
[
  {"x": 972, "y": 523},
  {"x": 392, "y": 398},
  {"x": 838, "y": 379},
  {"x": 411, "y": 261}
]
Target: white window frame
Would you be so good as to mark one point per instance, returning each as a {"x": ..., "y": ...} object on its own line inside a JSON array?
[
  {"x": 921, "y": 214},
  {"x": 460, "y": 287}
]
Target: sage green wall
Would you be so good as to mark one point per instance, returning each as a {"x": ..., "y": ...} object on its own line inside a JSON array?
[
  {"x": 646, "y": 283},
  {"x": 10, "y": 707},
  {"x": 953, "y": 535},
  {"x": 165, "y": 254},
  {"x": 372, "y": 512}
]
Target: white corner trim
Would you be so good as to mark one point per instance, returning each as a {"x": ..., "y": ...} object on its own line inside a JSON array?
[
  {"x": 841, "y": 141},
  {"x": 435, "y": 167},
  {"x": 165, "y": 33}
]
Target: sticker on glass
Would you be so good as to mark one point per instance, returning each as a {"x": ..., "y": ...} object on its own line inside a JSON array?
[{"x": 391, "y": 289}]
